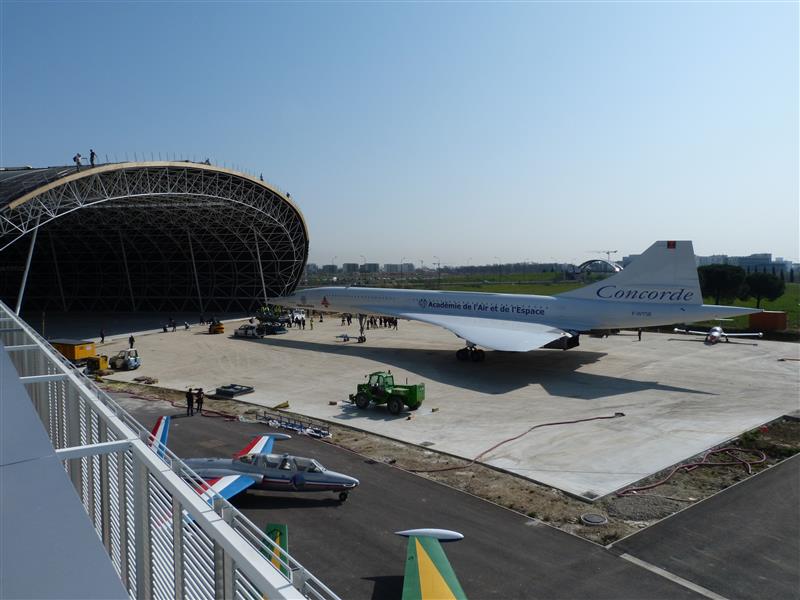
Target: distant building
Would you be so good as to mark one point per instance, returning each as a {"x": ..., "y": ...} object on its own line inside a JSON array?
[
  {"x": 330, "y": 269},
  {"x": 714, "y": 259},
  {"x": 349, "y": 268},
  {"x": 371, "y": 268},
  {"x": 391, "y": 268},
  {"x": 312, "y": 269},
  {"x": 626, "y": 260},
  {"x": 754, "y": 263}
]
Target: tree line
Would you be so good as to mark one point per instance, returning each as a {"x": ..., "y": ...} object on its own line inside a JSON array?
[{"x": 727, "y": 282}]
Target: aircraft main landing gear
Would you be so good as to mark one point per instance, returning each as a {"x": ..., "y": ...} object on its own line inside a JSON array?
[
  {"x": 361, "y": 337},
  {"x": 471, "y": 353}
]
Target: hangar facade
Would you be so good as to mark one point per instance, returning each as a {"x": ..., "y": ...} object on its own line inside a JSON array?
[{"x": 146, "y": 236}]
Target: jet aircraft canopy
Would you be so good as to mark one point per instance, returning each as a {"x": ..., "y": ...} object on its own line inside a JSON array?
[{"x": 282, "y": 461}]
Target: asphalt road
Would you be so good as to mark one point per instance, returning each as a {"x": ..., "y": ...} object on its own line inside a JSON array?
[
  {"x": 741, "y": 543},
  {"x": 351, "y": 546}
]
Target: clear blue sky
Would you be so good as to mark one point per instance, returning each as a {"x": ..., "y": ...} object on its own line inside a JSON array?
[{"x": 472, "y": 132}]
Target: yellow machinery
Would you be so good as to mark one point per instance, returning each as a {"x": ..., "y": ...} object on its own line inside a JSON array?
[
  {"x": 95, "y": 364},
  {"x": 216, "y": 328},
  {"x": 76, "y": 351}
]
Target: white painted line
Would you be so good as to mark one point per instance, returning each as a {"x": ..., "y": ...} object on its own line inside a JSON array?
[{"x": 679, "y": 580}]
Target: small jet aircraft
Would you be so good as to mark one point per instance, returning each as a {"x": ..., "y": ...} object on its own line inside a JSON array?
[
  {"x": 660, "y": 287},
  {"x": 257, "y": 468},
  {"x": 716, "y": 334},
  {"x": 428, "y": 574}
]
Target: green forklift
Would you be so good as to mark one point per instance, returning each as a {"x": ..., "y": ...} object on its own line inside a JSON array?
[{"x": 380, "y": 388}]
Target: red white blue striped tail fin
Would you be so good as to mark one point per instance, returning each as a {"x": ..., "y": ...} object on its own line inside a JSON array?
[
  {"x": 158, "y": 442},
  {"x": 262, "y": 444}
]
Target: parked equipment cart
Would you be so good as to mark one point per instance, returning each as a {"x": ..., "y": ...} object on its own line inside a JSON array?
[
  {"x": 381, "y": 389},
  {"x": 126, "y": 360}
]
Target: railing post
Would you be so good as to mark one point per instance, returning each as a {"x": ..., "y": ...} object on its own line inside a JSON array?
[
  {"x": 223, "y": 565},
  {"x": 105, "y": 512},
  {"x": 88, "y": 499},
  {"x": 177, "y": 542},
  {"x": 141, "y": 516},
  {"x": 122, "y": 497},
  {"x": 74, "y": 438}
]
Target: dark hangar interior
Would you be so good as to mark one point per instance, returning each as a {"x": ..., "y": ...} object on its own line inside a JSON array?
[{"x": 157, "y": 236}]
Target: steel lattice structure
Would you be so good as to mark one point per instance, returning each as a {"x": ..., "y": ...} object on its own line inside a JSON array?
[{"x": 155, "y": 236}]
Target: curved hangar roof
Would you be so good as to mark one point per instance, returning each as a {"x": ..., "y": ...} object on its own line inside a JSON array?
[{"x": 154, "y": 236}]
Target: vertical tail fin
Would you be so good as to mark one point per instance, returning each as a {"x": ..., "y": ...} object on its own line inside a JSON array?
[
  {"x": 278, "y": 533},
  {"x": 160, "y": 433},
  {"x": 428, "y": 573},
  {"x": 665, "y": 274}
]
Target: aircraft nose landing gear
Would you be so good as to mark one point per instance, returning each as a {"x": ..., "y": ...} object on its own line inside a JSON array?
[{"x": 471, "y": 353}]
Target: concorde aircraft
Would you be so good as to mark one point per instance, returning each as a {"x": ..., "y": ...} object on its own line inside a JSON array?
[
  {"x": 716, "y": 334},
  {"x": 256, "y": 467},
  {"x": 660, "y": 287}
]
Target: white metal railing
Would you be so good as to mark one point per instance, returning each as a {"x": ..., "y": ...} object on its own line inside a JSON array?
[{"x": 163, "y": 539}]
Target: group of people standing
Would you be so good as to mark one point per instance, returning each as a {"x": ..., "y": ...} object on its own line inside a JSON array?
[
  {"x": 77, "y": 159},
  {"x": 375, "y": 322},
  {"x": 298, "y": 321},
  {"x": 194, "y": 401}
]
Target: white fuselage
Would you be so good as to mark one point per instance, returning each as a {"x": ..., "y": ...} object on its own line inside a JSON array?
[{"x": 569, "y": 314}]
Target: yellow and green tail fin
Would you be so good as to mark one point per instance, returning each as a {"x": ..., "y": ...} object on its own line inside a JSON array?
[
  {"x": 428, "y": 574},
  {"x": 278, "y": 533}
]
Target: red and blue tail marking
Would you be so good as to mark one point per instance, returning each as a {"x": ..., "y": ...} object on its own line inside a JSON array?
[
  {"x": 159, "y": 433},
  {"x": 262, "y": 444},
  {"x": 227, "y": 486}
]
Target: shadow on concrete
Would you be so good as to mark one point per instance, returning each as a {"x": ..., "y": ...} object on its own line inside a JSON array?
[
  {"x": 387, "y": 586},
  {"x": 373, "y": 413},
  {"x": 87, "y": 325},
  {"x": 257, "y": 499},
  {"x": 557, "y": 371}
]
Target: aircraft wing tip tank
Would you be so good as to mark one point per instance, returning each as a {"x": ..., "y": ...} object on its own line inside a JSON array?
[{"x": 443, "y": 535}]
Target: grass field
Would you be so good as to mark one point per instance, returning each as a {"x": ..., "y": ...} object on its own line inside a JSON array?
[{"x": 788, "y": 303}]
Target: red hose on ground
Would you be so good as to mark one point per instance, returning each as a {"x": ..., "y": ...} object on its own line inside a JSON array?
[
  {"x": 511, "y": 439},
  {"x": 704, "y": 462}
]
